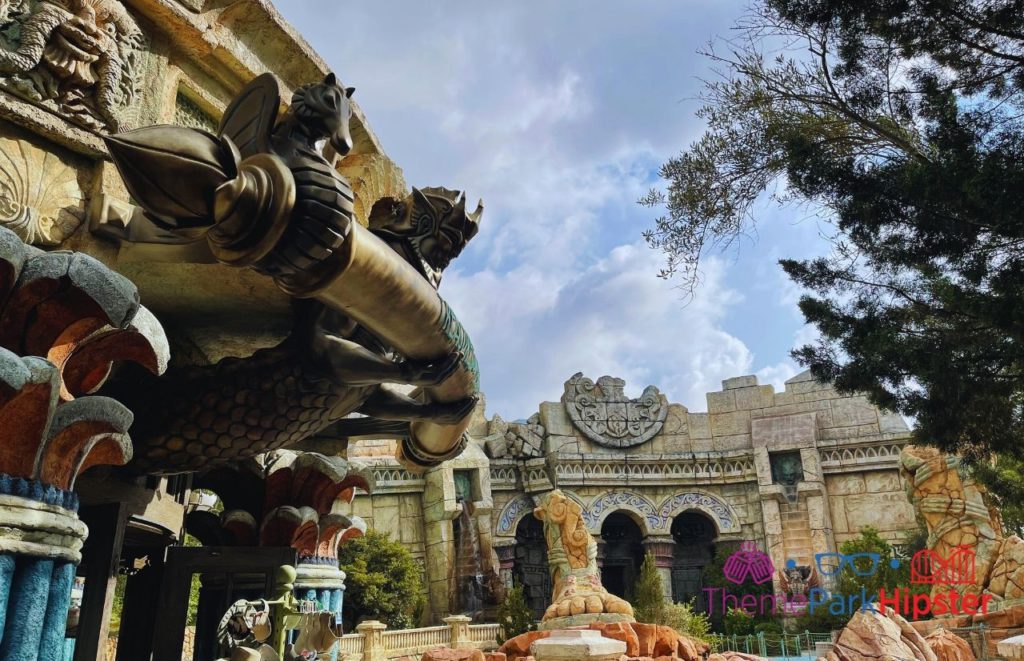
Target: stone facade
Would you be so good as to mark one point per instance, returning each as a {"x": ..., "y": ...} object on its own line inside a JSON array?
[{"x": 798, "y": 471}]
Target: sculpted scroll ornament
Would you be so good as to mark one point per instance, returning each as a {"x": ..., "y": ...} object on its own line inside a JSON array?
[
  {"x": 606, "y": 416},
  {"x": 79, "y": 57}
]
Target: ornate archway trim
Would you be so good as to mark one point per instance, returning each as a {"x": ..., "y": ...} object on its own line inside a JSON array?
[
  {"x": 513, "y": 512},
  {"x": 725, "y": 518},
  {"x": 617, "y": 501}
]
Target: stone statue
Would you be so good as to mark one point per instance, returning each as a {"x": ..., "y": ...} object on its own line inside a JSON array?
[
  {"x": 960, "y": 514},
  {"x": 578, "y": 598},
  {"x": 366, "y": 308},
  {"x": 78, "y": 55}
]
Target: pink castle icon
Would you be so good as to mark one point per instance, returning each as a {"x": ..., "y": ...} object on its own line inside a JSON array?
[{"x": 750, "y": 563}]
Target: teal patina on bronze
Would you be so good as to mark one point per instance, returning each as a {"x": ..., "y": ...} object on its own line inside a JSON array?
[{"x": 454, "y": 331}]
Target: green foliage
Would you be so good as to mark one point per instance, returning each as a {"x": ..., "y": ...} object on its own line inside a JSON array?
[
  {"x": 194, "y": 587},
  {"x": 682, "y": 618},
  {"x": 848, "y": 582},
  {"x": 738, "y": 622},
  {"x": 515, "y": 615},
  {"x": 1005, "y": 480},
  {"x": 648, "y": 594},
  {"x": 900, "y": 124},
  {"x": 383, "y": 581}
]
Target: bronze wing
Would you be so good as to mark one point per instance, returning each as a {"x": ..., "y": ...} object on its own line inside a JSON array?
[{"x": 250, "y": 118}]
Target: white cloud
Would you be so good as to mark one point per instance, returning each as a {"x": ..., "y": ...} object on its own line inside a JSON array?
[
  {"x": 615, "y": 317},
  {"x": 558, "y": 115}
]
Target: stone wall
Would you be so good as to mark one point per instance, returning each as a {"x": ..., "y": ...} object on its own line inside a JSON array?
[{"x": 718, "y": 464}]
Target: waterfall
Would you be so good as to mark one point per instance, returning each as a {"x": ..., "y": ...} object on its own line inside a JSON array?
[{"x": 466, "y": 584}]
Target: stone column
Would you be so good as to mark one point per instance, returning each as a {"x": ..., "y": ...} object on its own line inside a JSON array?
[
  {"x": 577, "y": 645},
  {"x": 459, "y": 625},
  {"x": 506, "y": 561},
  {"x": 663, "y": 549},
  {"x": 373, "y": 640}
]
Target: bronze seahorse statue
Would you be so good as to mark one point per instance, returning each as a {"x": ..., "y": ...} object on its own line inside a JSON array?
[{"x": 226, "y": 188}]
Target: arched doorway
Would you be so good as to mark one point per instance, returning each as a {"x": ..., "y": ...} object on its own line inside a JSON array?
[
  {"x": 694, "y": 534},
  {"x": 623, "y": 553},
  {"x": 531, "y": 564}
]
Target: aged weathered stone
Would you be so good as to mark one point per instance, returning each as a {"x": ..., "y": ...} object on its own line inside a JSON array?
[
  {"x": 948, "y": 646},
  {"x": 642, "y": 641},
  {"x": 959, "y": 515},
  {"x": 872, "y": 635},
  {"x": 606, "y": 416},
  {"x": 40, "y": 196},
  {"x": 578, "y": 597},
  {"x": 77, "y": 57}
]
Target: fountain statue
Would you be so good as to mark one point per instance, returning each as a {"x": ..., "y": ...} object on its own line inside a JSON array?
[{"x": 578, "y": 596}]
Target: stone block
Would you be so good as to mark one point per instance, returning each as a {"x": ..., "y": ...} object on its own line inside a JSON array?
[
  {"x": 757, "y": 397},
  {"x": 730, "y": 424},
  {"x": 699, "y": 425},
  {"x": 555, "y": 419},
  {"x": 784, "y": 432},
  {"x": 675, "y": 420},
  {"x": 727, "y": 443},
  {"x": 843, "y": 485},
  {"x": 853, "y": 411},
  {"x": 721, "y": 402},
  {"x": 883, "y": 482},
  {"x": 577, "y": 645},
  {"x": 883, "y": 511},
  {"x": 739, "y": 382},
  {"x": 891, "y": 423}
]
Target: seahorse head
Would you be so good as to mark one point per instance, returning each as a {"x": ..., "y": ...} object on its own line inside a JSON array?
[{"x": 324, "y": 110}]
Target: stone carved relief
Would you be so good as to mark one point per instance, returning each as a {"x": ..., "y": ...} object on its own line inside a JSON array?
[
  {"x": 693, "y": 500},
  {"x": 606, "y": 416},
  {"x": 40, "y": 198},
  {"x": 512, "y": 513},
  {"x": 80, "y": 58},
  {"x": 621, "y": 500}
]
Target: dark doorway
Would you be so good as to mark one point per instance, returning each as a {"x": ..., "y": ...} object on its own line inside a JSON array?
[
  {"x": 531, "y": 564},
  {"x": 694, "y": 534},
  {"x": 623, "y": 554}
]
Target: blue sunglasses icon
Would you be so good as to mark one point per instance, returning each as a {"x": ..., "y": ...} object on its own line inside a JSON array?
[{"x": 830, "y": 564}]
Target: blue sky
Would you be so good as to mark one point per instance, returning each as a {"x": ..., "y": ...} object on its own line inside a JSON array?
[{"x": 558, "y": 114}]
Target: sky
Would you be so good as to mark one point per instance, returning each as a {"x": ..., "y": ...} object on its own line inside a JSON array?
[{"x": 559, "y": 115}]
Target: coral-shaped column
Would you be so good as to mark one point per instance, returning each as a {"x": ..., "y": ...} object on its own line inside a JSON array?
[
  {"x": 64, "y": 318},
  {"x": 287, "y": 498},
  {"x": 578, "y": 597}
]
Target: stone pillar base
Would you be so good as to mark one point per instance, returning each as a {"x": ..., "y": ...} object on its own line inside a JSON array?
[{"x": 576, "y": 645}]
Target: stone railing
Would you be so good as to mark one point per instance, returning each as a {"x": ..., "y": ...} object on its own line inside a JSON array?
[{"x": 372, "y": 641}]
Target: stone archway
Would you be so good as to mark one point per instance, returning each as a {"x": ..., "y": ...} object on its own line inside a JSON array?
[
  {"x": 694, "y": 535},
  {"x": 530, "y": 568},
  {"x": 623, "y": 552}
]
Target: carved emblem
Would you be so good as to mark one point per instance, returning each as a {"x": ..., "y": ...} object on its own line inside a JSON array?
[
  {"x": 78, "y": 57},
  {"x": 40, "y": 199},
  {"x": 606, "y": 416}
]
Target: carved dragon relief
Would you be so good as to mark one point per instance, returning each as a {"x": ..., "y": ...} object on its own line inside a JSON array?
[
  {"x": 367, "y": 314},
  {"x": 78, "y": 57}
]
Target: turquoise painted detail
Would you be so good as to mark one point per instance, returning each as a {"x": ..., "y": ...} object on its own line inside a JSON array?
[
  {"x": 61, "y": 581},
  {"x": 7, "y": 565},
  {"x": 456, "y": 333},
  {"x": 26, "y": 612}
]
